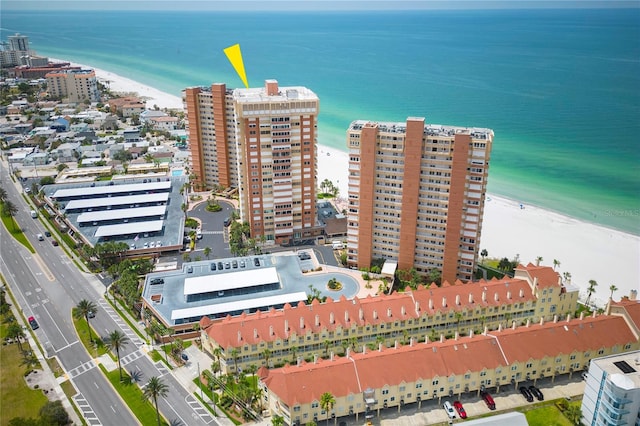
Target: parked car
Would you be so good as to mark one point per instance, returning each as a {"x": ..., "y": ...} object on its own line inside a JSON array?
[
  {"x": 213, "y": 266},
  {"x": 33, "y": 323},
  {"x": 584, "y": 375},
  {"x": 460, "y": 409},
  {"x": 525, "y": 392},
  {"x": 536, "y": 392},
  {"x": 256, "y": 261},
  {"x": 184, "y": 356},
  {"x": 449, "y": 409},
  {"x": 227, "y": 221},
  {"x": 488, "y": 400}
]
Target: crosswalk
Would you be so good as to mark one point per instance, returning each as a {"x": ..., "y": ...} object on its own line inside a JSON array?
[
  {"x": 82, "y": 368},
  {"x": 85, "y": 408},
  {"x": 108, "y": 309}
]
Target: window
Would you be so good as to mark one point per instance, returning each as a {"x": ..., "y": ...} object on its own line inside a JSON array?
[{"x": 385, "y": 391}]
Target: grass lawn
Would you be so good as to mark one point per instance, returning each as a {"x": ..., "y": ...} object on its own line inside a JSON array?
[
  {"x": 548, "y": 415},
  {"x": 133, "y": 397},
  {"x": 83, "y": 332},
  {"x": 16, "y": 399},
  {"x": 16, "y": 232}
]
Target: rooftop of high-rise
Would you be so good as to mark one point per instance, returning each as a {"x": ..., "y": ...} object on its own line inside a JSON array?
[{"x": 429, "y": 129}]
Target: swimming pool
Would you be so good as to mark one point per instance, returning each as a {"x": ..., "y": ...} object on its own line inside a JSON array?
[{"x": 177, "y": 172}]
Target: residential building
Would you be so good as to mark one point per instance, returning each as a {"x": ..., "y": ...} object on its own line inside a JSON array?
[
  {"x": 416, "y": 195},
  {"x": 261, "y": 141},
  {"x": 74, "y": 85},
  {"x": 612, "y": 393},
  {"x": 127, "y": 106},
  {"x": 166, "y": 124},
  {"x": 534, "y": 295},
  {"x": 389, "y": 377}
]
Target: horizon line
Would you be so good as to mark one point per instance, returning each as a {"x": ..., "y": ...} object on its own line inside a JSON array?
[{"x": 313, "y": 5}]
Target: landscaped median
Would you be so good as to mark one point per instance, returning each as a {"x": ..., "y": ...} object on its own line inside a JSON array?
[
  {"x": 128, "y": 389},
  {"x": 133, "y": 396}
]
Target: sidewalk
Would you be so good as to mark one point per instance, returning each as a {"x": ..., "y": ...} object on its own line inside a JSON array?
[
  {"x": 45, "y": 379},
  {"x": 185, "y": 374}
]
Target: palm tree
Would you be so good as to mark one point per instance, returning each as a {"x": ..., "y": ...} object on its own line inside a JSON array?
[
  {"x": 155, "y": 388},
  {"x": 14, "y": 331},
  {"x": 10, "y": 209},
  {"x": 484, "y": 253},
  {"x": 217, "y": 352},
  {"x": 82, "y": 310},
  {"x": 556, "y": 262},
  {"x": 3, "y": 194},
  {"x": 327, "y": 401},
  {"x": 29, "y": 359},
  {"x": 207, "y": 252},
  {"x": 612, "y": 288},
  {"x": 117, "y": 341},
  {"x": 327, "y": 343},
  {"x": 538, "y": 260},
  {"x": 590, "y": 290},
  {"x": 266, "y": 354},
  {"x": 234, "y": 354}
]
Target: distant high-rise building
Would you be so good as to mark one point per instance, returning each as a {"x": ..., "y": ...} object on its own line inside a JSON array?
[
  {"x": 261, "y": 141},
  {"x": 19, "y": 42},
  {"x": 612, "y": 392},
  {"x": 74, "y": 85},
  {"x": 416, "y": 195}
]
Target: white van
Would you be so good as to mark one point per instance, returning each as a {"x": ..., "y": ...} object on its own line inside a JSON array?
[
  {"x": 337, "y": 245},
  {"x": 449, "y": 409}
]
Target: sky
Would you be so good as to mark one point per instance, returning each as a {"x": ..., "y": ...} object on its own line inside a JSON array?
[{"x": 327, "y": 5}]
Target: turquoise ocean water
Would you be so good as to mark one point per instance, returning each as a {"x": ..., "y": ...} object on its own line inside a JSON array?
[{"x": 560, "y": 88}]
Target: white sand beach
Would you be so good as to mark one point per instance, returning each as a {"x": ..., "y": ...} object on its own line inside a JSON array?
[{"x": 585, "y": 250}]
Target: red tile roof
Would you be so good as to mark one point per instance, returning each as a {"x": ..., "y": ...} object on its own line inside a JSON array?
[
  {"x": 633, "y": 309},
  {"x": 563, "y": 337},
  {"x": 545, "y": 275},
  {"x": 374, "y": 369},
  {"x": 303, "y": 319}
]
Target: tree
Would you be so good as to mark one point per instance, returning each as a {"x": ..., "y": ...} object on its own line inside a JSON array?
[
  {"x": 266, "y": 354},
  {"x": 3, "y": 194},
  {"x": 117, "y": 340},
  {"x": 327, "y": 401},
  {"x": 484, "y": 253},
  {"x": 82, "y": 310},
  {"x": 504, "y": 264},
  {"x": 29, "y": 359},
  {"x": 234, "y": 354},
  {"x": 14, "y": 331},
  {"x": 10, "y": 209},
  {"x": 207, "y": 252},
  {"x": 53, "y": 413},
  {"x": 574, "y": 414},
  {"x": 155, "y": 388},
  {"x": 538, "y": 260},
  {"x": 556, "y": 262},
  {"x": 612, "y": 288},
  {"x": 277, "y": 420},
  {"x": 590, "y": 290}
]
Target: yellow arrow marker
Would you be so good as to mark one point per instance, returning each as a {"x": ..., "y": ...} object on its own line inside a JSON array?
[{"x": 235, "y": 57}]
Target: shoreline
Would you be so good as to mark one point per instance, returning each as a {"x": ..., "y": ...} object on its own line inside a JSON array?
[{"x": 585, "y": 249}]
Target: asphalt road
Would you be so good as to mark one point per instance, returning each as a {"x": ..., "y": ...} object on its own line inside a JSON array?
[{"x": 48, "y": 285}]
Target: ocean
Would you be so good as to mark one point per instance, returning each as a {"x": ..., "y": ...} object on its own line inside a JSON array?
[{"x": 560, "y": 87}]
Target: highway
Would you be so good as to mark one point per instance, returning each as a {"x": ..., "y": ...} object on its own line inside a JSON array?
[{"x": 48, "y": 285}]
